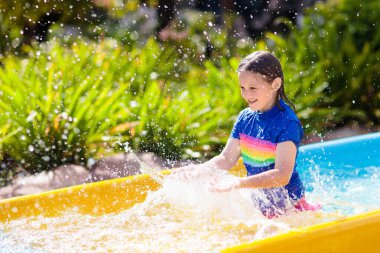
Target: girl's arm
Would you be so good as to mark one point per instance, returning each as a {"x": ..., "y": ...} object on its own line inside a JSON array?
[
  {"x": 225, "y": 160},
  {"x": 277, "y": 177}
]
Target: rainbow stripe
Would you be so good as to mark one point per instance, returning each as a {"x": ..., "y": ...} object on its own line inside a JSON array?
[{"x": 257, "y": 152}]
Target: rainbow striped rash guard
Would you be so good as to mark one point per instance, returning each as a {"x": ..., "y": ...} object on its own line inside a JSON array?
[{"x": 259, "y": 134}]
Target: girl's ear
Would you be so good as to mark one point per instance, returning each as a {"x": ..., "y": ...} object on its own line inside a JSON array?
[{"x": 276, "y": 84}]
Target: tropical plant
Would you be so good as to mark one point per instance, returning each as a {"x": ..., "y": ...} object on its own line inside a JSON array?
[
  {"x": 62, "y": 105},
  {"x": 57, "y": 101},
  {"x": 188, "y": 123},
  {"x": 335, "y": 53}
]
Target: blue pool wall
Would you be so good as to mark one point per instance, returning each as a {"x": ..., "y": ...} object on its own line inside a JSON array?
[{"x": 359, "y": 151}]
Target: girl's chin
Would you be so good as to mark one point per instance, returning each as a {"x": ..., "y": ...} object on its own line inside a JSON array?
[{"x": 253, "y": 107}]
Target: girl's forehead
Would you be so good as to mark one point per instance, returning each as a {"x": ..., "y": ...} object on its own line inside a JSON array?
[{"x": 251, "y": 77}]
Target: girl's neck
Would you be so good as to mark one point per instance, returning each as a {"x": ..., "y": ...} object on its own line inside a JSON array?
[{"x": 269, "y": 106}]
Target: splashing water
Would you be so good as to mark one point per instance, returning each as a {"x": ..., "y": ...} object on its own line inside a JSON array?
[
  {"x": 185, "y": 216},
  {"x": 182, "y": 216},
  {"x": 348, "y": 191},
  {"x": 145, "y": 169}
]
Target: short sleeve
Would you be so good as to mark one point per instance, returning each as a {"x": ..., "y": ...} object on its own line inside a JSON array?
[
  {"x": 236, "y": 130},
  {"x": 292, "y": 132}
]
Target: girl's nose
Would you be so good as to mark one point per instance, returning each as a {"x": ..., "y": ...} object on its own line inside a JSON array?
[{"x": 245, "y": 94}]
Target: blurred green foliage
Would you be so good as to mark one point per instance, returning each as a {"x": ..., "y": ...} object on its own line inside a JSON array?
[
  {"x": 53, "y": 113},
  {"x": 336, "y": 53},
  {"x": 21, "y": 20},
  {"x": 56, "y": 109}
]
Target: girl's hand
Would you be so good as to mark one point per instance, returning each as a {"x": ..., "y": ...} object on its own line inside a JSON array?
[
  {"x": 186, "y": 173},
  {"x": 225, "y": 185}
]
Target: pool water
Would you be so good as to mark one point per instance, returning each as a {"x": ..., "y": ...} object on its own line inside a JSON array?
[
  {"x": 348, "y": 190},
  {"x": 187, "y": 217}
]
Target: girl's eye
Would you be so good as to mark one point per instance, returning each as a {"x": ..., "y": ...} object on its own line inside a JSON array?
[{"x": 252, "y": 88}]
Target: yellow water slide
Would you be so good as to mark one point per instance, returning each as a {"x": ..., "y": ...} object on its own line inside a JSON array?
[
  {"x": 354, "y": 234},
  {"x": 350, "y": 234}
]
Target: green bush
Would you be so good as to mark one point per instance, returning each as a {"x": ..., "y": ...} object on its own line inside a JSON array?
[
  {"x": 57, "y": 101},
  {"x": 336, "y": 53},
  {"x": 64, "y": 105},
  {"x": 189, "y": 123}
]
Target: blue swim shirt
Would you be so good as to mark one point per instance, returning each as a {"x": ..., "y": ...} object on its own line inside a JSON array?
[{"x": 259, "y": 133}]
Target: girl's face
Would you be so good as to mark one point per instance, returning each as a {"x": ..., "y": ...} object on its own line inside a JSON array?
[{"x": 260, "y": 95}]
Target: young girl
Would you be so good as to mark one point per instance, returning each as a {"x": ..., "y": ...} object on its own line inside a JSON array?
[{"x": 266, "y": 135}]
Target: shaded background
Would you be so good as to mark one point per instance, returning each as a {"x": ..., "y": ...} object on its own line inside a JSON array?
[{"x": 81, "y": 80}]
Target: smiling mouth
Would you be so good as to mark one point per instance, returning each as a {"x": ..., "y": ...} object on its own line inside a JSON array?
[{"x": 252, "y": 101}]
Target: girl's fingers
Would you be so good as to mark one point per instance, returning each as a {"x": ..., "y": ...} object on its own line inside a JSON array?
[
  {"x": 219, "y": 189},
  {"x": 224, "y": 186},
  {"x": 185, "y": 173},
  {"x": 214, "y": 186}
]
